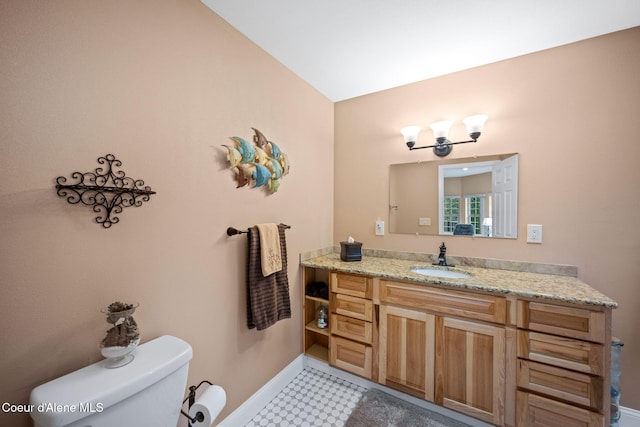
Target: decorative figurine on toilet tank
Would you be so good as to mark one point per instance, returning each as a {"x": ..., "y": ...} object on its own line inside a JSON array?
[{"x": 123, "y": 337}]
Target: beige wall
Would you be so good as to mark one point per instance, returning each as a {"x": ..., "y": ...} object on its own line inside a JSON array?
[
  {"x": 163, "y": 84},
  {"x": 476, "y": 184},
  {"x": 572, "y": 115},
  {"x": 413, "y": 189},
  {"x": 160, "y": 84}
]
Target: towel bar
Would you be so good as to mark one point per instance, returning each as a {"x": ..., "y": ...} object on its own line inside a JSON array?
[{"x": 231, "y": 231}]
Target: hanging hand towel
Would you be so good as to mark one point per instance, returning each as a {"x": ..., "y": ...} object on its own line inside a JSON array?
[
  {"x": 267, "y": 297},
  {"x": 270, "y": 251}
]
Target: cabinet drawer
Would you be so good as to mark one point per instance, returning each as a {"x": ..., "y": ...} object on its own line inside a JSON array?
[
  {"x": 465, "y": 304},
  {"x": 351, "y": 356},
  {"x": 574, "y": 387},
  {"x": 358, "y": 308},
  {"x": 533, "y": 410},
  {"x": 561, "y": 320},
  {"x": 563, "y": 352},
  {"x": 351, "y": 328},
  {"x": 350, "y": 284}
]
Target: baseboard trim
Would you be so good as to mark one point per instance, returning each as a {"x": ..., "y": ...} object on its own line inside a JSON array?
[
  {"x": 245, "y": 412},
  {"x": 629, "y": 417}
]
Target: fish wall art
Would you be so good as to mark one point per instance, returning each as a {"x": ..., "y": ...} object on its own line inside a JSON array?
[{"x": 261, "y": 164}]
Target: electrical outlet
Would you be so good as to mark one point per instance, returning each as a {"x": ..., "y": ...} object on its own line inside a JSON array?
[
  {"x": 424, "y": 221},
  {"x": 534, "y": 233},
  {"x": 379, "y": 228}
]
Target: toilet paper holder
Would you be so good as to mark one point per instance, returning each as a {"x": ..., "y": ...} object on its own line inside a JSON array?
[{"x": 199, "y": 417}]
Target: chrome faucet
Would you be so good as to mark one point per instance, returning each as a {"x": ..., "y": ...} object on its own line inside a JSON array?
[{"x": 442, "y": 259}]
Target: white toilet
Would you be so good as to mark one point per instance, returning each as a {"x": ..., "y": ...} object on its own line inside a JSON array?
[{"x": 146, "y": 392}]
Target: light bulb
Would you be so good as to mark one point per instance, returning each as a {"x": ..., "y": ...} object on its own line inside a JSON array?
[
  {"x": 441, "y": 129},
  {"x": 475, "y": 124}
]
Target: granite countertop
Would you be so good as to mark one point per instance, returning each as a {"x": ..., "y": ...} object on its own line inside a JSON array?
[{"x": 556, "y": 287}]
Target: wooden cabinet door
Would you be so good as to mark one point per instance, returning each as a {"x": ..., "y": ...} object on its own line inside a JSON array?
[
  {"x": 563, "y": 352},
  {"x": 351, "y": 356},
  {"x": 537, "y": 411},
  {"x": 354, "y": 329},
  {"x": 574, "y": 387},
  {"x": 351, "y": 284},
  {"x": 574, "y": 322},
  {"x": 358, "y": 308},
  {"x": 406, "y": 351},
  {"x": 470, "y": 368}
]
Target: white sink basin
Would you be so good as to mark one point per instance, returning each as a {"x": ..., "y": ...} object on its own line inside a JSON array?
[{"x": 436, "y": 272}]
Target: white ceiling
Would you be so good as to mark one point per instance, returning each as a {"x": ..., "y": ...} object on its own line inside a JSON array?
[{"x": 348, "y": 48}]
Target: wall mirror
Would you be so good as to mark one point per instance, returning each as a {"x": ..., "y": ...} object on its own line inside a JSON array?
[{"x": 476, "y": 196}]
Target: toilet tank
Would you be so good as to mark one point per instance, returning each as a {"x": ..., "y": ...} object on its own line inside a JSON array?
[{"x": 146, "y": 392}]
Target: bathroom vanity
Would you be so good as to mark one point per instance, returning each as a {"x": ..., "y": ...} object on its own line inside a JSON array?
[{"x": 519, "y": 345}]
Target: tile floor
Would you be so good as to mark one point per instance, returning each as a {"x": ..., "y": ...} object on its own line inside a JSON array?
[{"x": 313, "y": 398}]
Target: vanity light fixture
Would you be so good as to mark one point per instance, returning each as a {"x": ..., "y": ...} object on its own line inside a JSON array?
[{"x": 442, "y": 147}]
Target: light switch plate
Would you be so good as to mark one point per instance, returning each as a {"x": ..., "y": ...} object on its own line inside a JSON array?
[
  {"x": 424, "y": 221},
  {"x": 534, "y": 233}
]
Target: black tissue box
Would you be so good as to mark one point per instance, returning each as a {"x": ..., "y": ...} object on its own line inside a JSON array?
[{"x": 350, "y": 251}]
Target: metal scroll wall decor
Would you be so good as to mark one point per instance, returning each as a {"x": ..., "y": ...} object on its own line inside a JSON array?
[
  {"x": 106, "y": 190},
  {"x": 260, "y": 164}
]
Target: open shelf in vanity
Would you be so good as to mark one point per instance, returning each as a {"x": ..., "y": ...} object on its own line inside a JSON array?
[{"x": 316, "y": 339}]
